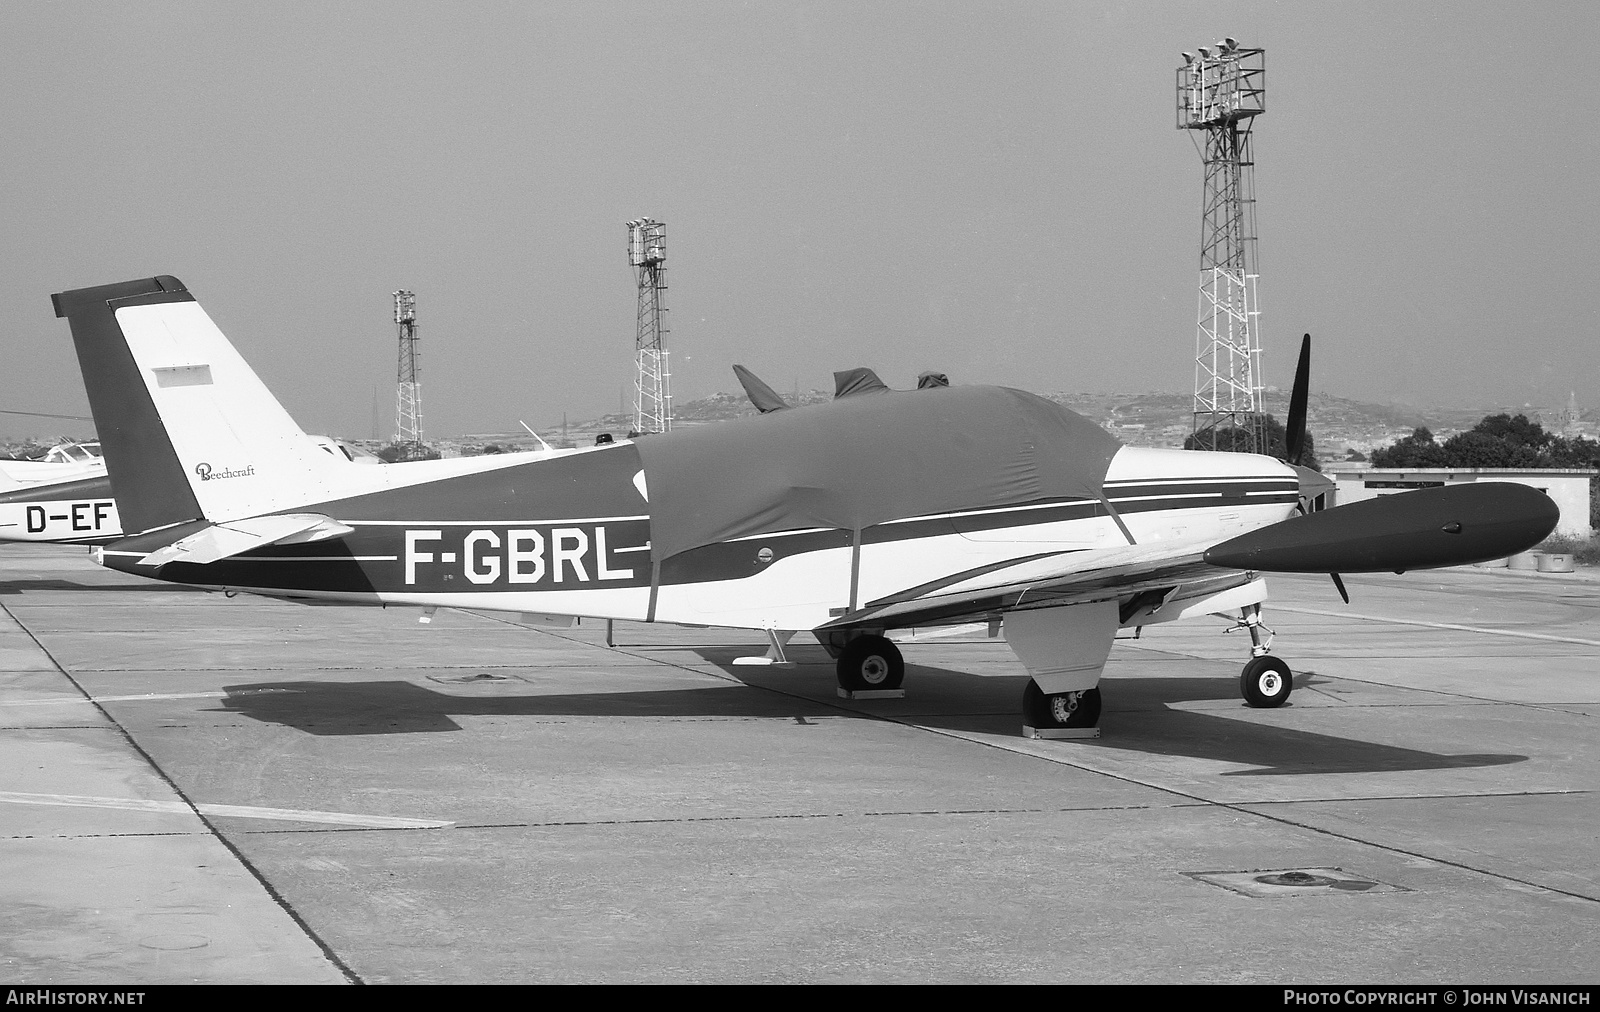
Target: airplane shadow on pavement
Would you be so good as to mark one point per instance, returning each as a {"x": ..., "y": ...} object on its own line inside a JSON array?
[
  {"x": 1137, "y": 717},
  {"x": 403, "y": 707},
  {"x": 38, "y": 586}
]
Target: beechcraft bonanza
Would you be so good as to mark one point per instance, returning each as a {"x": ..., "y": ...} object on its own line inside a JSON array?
[{"x": 880, "y": 511}]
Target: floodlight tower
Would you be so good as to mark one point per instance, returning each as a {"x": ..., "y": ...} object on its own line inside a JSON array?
[
  {"x": 647, "y": 252},
  {"x": 408, "y": 404},
  {"x": 1220, "y": 93}
]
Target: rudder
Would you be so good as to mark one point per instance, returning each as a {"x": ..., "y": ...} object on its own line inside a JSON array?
[{"x": 188, "y": 429}]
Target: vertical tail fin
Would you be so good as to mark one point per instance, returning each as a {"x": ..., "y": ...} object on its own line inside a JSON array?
[{"x": 188, "y": 429}]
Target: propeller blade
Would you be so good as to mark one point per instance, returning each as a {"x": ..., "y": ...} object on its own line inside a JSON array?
[
  {"x": 1446, "y": 526},
  {"x": 1295, "y": 427},
  {"x": 1340, "y": 584}
]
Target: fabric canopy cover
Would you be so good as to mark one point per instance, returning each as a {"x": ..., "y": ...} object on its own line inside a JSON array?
[{"x": 859, "y": 461}]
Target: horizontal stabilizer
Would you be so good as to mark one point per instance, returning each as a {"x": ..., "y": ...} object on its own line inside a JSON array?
[
  {"x": 1447, "y": 526},
  {"x": 223, "y": 541}
]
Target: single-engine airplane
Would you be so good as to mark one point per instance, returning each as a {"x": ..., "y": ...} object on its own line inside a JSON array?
[
  {"x": 880, "y": 511},
  {"x": 63, "y": 497}
]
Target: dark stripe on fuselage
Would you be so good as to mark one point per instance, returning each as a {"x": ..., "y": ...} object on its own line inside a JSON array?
[
  {"x": 441, "y": 559},
  {"x": 540, "y": 512},
  {"x": 84, "y": 488},
  {"x": 596, "y": 483},
  {"x": 377, "y": 557},
  {"x": 737, "y": 560}
]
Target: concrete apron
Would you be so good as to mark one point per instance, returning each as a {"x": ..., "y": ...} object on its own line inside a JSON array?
[{"x": 111, "y": 873}]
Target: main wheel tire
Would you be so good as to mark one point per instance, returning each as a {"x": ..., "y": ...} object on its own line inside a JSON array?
[
  {"x": 870, "y": 662},
  {"x": 1060, "y": 709},
  {"x": 1266, "y": 682}
]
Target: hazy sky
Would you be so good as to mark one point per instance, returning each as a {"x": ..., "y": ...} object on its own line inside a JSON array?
[{"x": 997, "y": 191}]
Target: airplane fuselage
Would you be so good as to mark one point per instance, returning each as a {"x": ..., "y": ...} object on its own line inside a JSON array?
[
  {"x": 572, "y": 534},
  {"x": 80, "y": 511},
  {"x": 878, "y": 511}
]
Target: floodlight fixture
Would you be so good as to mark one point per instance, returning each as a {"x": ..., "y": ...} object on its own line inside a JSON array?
[{"x": 1218, "y": 96}]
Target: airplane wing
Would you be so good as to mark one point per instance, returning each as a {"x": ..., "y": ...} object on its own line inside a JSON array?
[
  {"x": 1423, "y": 529},
  {"x": 1044, "y": 581},
  {"x": 223, "y": 541}
]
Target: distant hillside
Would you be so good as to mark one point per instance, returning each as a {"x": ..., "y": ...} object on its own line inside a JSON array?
[
  {"x": 1338, "y": 424},
  {"x": 1140, "y": 419}
]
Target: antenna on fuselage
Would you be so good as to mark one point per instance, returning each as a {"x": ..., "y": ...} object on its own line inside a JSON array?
[{"x": 534, "y": 434}]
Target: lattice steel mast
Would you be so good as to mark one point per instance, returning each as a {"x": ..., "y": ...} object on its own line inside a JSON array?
[
  {"x": 647, "y": 252},
  {"x": 408, "y": 397},
  {"x": 1219, "y": 95}
]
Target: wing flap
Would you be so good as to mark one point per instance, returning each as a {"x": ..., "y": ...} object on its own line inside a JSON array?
[{"x": 1054, "y": 580}]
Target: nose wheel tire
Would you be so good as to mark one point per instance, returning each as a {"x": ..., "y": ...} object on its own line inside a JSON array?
[
  {"x": 1266, "y": 682},
  {"x": 1060, "y": 709},
  {"x": 870, "y": 662}
]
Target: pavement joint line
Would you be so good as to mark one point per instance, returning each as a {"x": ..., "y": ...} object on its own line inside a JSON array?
[
  {"x": 1226, "y": 806},
  {"x": 1452, "y": 626},
  {"x": 330, "y": 667},
  {"x": 238, "y": 855},
  {"x": 941, "y": 812},
  {"x": 230, "y": 811},
  {"x": 781, "y": 816},
  {"x": 89, "y": 836},
  {"x": 1477, "y": 700},
  {"x": 741, "y": 818},
  {"x": 121, "y": 699},
  {"x": 1406, "y": 688},
  {"x": 1459, "y": 796},
  {"x": 1242, "y": 807}
]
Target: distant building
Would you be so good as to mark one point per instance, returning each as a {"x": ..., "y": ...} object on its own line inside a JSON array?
[{"x": 1569, "y": 487}]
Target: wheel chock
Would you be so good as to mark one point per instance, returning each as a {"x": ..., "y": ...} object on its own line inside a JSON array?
[
  {"x": 871, "y": 693},
  {"x": 1060, "y": 733}
]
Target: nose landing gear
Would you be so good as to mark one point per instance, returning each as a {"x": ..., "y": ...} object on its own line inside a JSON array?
[{"x": 1265, "y": 681}]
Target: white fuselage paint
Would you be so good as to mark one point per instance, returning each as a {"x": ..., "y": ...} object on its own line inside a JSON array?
[
  {"x": 60, "y": 520},
  {"x": 1160, "y": 495}
]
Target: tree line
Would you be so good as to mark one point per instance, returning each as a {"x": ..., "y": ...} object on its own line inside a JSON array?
[{"x": 1498, "y": 441}]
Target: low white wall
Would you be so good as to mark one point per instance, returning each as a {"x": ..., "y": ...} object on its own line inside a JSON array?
[{"x": 1569, "y": 487}]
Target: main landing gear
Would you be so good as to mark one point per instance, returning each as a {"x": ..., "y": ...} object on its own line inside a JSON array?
[
  {"x": 1059, "y": 710},
  {"x": 870, "y": 663},
  {"x": 1265, "y": 681}
]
